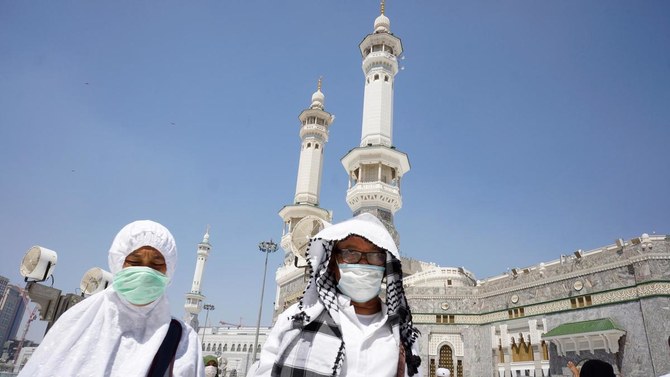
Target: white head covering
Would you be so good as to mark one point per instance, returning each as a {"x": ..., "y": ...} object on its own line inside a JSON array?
[
  {"x": 364, "y": 225},
  {"x": 143, "y": 233},
  {"x": 105, "y": 335},
  {"x": 442, "y": 372}
]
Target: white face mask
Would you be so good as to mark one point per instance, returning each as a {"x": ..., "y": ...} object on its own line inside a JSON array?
[
  {"x": 210, "y": 371},
  {"x": 361, "y": 282}
]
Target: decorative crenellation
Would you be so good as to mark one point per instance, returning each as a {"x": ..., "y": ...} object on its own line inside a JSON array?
[
  {"x": 591, "y": 261},
  {"x": 573, "y": 275}
]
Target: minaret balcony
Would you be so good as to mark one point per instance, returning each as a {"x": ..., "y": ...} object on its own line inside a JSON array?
[
  {"x": 306, "y": 198},
  {"x": 374, "y": 194},
  {"x": 318, "y": 131}
]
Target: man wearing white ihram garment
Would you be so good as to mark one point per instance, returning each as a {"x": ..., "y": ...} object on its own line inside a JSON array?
[
  {"x": 119, "y": 331},
  {"x": 341, "y": 327}
]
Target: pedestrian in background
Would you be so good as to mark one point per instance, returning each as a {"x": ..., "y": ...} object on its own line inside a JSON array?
[{"x": 442, "y": 372}]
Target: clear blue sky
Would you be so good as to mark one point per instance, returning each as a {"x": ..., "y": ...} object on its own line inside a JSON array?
[{"x": 533, "y": 128}]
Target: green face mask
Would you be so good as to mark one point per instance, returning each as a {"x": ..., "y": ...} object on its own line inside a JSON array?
[{"x": 140, "y": 285}]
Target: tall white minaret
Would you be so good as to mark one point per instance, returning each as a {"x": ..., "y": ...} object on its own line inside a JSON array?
[
  {"x": 314, "y": 135},
  {"x": 195, "y": 299},
  {"x": 376, "y": 167},
  {"x": 315, "y": 122}
]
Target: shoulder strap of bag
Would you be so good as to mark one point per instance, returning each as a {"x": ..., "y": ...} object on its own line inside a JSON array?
[
  {"x": 401, "y": 362},
  {"x": 167, "y": 351}
]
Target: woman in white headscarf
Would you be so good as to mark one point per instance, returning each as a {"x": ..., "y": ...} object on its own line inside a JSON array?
[
  {"x": 341, "y": 327},
  {"x": 118, "y": 332}
]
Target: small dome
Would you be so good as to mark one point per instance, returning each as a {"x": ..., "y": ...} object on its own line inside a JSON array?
[
  {"x": 317, "y": 96},
  {"x": 317, "y": 100},
  {"x": 382, "y": 24}
]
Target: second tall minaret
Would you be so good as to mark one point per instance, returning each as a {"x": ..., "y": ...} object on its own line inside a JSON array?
[
  {"x": 376, "y": 167},
  {"x": 195, "y": 298}
]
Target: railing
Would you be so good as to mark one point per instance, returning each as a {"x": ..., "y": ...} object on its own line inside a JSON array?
[
  {"x": 384, "y": 54},
  {"x": 374, "y": 187},
  {"x": 436, "y": 273},
  {"x": 525, "y": 368}
]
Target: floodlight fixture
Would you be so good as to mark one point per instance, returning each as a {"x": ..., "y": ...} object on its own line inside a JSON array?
[
  {"x": 620, "y": 242},
  {"x": 95, "y": 280},
  {"x": 515, "y": 272},
  {"x": 38, "y": 263},
  {"x": 578, "y": 254}
]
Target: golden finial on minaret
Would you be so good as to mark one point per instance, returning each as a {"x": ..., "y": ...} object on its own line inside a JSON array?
[
  {"x": 383, "y": 1},
  {"x": 318, "y": 85}
]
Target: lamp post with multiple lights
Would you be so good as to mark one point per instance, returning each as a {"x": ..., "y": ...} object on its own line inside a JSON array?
[
  {"x": 266, "y": 247},
  {"x": 208, "y": 308}
]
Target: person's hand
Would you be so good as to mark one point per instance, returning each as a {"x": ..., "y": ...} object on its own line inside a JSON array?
[{"x": 573, "y": 369}]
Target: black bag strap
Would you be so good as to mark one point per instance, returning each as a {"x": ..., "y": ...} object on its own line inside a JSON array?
[{"x": 167, "y": 350}]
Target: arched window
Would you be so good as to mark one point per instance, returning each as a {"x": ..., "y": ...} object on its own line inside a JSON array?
[
  {"x": 244, "y": 349},
  {"x": 219, "y": 347},
  {"x": 376, "y": 77},
  {"x": 386, "y": 78},
  {"x": 209, "y": 346},
  {"x": 225, "y": 347},
  {"x": 203, "y": 346},
  {"x": 309, "y": 145},
  {"x": 316, "y": 146},
  {"x": 232, "y": 348},
  {"x": 239, "y": 348}
]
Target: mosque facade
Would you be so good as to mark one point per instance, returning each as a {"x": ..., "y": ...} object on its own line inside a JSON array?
[{"x": 610, "y": 303}]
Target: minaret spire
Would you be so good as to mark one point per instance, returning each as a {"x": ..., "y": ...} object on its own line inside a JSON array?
[
  {"x": 318, "y": 84},
  {"x": 195, "y": 298},
  {"x": 205, "y": 239},
  {"x": 376, "y": 166}
]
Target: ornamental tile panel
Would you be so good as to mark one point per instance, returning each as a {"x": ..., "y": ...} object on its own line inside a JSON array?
[{"x": 437, "y": 340}]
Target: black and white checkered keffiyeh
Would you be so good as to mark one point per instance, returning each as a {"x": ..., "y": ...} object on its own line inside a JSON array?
[{"x": 319, "y": 349}]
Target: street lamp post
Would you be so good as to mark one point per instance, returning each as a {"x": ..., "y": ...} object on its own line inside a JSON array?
[
  {"x": 266, "y": 247},
  {"x": 207, "y": 307}
]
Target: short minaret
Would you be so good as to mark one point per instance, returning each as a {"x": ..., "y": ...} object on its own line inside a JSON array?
[
  {"x": 376, "y": 167},
  {"x": 195, "y": 299},
  {"x": 314, "y": 126}
]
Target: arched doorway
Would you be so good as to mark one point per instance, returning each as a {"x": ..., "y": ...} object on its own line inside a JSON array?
[{"x": 446, "y": 358}]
